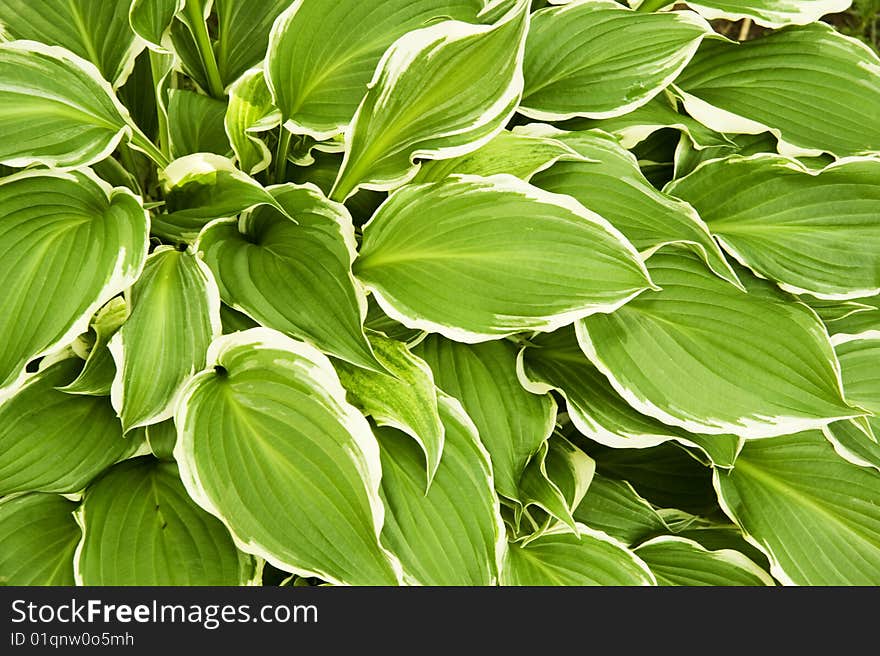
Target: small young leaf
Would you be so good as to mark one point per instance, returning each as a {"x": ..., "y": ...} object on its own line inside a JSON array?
[
  {"x": 402, "y": 397},
  {"x": 175, "y": 313}
]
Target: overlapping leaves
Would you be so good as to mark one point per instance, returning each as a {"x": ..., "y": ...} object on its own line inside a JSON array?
[{"x": 300, "y": 283}]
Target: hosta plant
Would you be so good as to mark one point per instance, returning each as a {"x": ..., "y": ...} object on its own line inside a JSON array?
[{"x": 438, "y": 292}]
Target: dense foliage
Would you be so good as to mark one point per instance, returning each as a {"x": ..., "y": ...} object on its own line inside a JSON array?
[{"x": 459, "y": 292}]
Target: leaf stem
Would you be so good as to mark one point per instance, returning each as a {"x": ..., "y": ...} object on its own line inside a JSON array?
[
  {"x": 157, "y": 65},
  {"x": 199, "y": 29},
  {"x": 653, "y": 5},
  {"x": 140, "y": 141},
  {"x": 281, "y": 154}
]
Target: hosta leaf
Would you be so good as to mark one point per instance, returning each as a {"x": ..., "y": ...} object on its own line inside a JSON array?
[
  {"x": 612, "y": 185},
  {"x": 322, "y": 54},
  {"x": 714, "y": 533},
  {"x": 51, "y": 441},
  {"x": 151, "y": 20},
  {"x": 294, "y": 277},
  {"x": 657, "y": 114},
  {"x": 39, "y": 536},
  {"x": 864, "y": 325},
  {"x": 596, "y": 58},
  {"x": 68, "y": 244},
  {"x": 561, "y": 558},
  {"x": 770, "y": 13},
  {"x": 821, "y": 94},
  {"x": 202, "y": 187},
  {"x": 267, "y": 442},
  {"x": 234, "y": 321},
  {"x": 56, "y": 110},
  {"x": 96, "y": 31},
  {"x": 141, "y": 528},
  {"x": 196, "y": 124},
  {"x": 402, "y": 397},
  {"x": 438, "y": 92},
  {"x": 243, "y": 28},
  {"x": 521, "y": 155},
  {"x": 250, "y": 111},
  {"x": 479, "y": 258},
  {"x": 751, "y": 364},
  {"x": 98, "y": 373},
  {"x": 453, "y": 535},
  {"x": 556, "y": 362},
  {"x": 679, "y": 561},
  {"x": 556, "y": 479},
  {"x": 811, "y": 232},
  {"x": 614, "y": 507},
  {"x": 814, "y": 514},
  {"x": 175, "y": 313},
  {"x": 161, "y": 439},
  {"x": 860, "y": 370},
  {"x": 832, "y": 311},
  {"x": 512, "y": 423}
]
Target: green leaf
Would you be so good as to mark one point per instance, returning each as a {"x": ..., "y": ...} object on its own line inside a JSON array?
[
  {"x": 752, "y": 364},
  {"x": 96, "y": 377},
  {"x": 512, "y": 422},
  {"x": 267, "y": 442},
  {"x": 659, "y": 113},
  {"x": 438, "y": 92},
  {"x": 598, "y": 59},
  {"x": 679, "y": 561},
  {"x": 51, "y": 441},
  {"x": 861, "y": 382},
  {"x": 826, "y": 97},
  {"x": 68, "y": 244},
  {"x": 243, "y": 28},
  {"x": 556, "y": 480},
  {"x": 479, "y": 258},
  {"x": 250, "y": 112},
  {"x": 561, "y": 558},
  {"x": 201, "y": 187},
  {"x": 96, "y": 31},
  {"x": 175, "y": 313},
  {"x": 833, "y": 311},
  {"x": 294, "y": 276},
  {"x": 859, "y": 325},
  {"x": 769, "y": 13},
  {"x": 556, "y": 362},
  {"x": 140, "y": 528},
  {"x": 614, "y": 507},
  {"x": 612, "y": 185},
  {"x": 521, "y": 155},
  {"x": 812, "y": 232},
  {"x": 196, "y": 124},
  {"x": 161, "y": 439},
  {"x": 453, "y": 534},
  {"x": 56, "y": 110},
  {"x": 39, "y": 536},
  {"x": 151, "y": 20},
  {"x": 322, "y": 54},
  {"x": 234, "y": 321},
  {"x": 814, "y": 514},
  {"x": 402, "y": 397}
]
